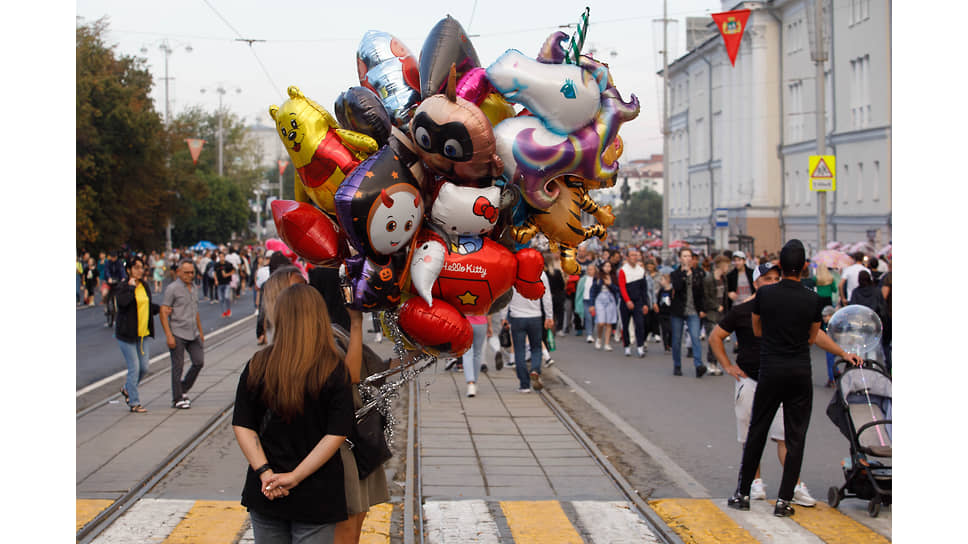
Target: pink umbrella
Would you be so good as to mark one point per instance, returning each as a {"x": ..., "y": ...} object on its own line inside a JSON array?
[{"x": 831, "y": 258}]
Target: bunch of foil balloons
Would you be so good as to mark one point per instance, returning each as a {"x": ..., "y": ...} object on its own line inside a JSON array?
[{"x": 427, "y": 183}]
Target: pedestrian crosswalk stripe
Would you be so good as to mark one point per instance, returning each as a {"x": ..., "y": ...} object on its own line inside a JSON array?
[
  {"x": 150, "y": 520},
  {"x": 613, "y": 522},
  {"x": 539, "y": 522},
  {"x": 88, "y": 509},
  {"x": 700, "y": 521},
  {"x": 376, "y": 526},
  {"x": 210, "y": 522},
  {"x": 834, "y": 527},
  {"x": 459, "y": 521}
]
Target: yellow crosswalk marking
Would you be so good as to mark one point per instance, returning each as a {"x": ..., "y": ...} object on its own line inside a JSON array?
[
  {"x": 88, "y": 509},
  {"x": 698, "y": 521},
  {"x": 833, "y": 527},
  {"x": 539, "y": 522},
  {"x": 376, "y": 526},
  {"x": 210, "y": 522}
]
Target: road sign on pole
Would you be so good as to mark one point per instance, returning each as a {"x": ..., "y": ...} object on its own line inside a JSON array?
[
  {"x": 722, "y": 217},
  {"x": 822, "y": 169}
]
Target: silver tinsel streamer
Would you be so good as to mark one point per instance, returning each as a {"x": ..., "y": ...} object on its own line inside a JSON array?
[{"x": 381, "y": 398}]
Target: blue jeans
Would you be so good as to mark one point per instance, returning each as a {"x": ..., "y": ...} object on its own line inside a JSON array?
[
  {"x": 136, "y": 355},
  {"x": 475, "y": 356},
  {"x": 831, "y": 360},
  {"x": 271, "y": 530},
  {"x": 529, "y": 328},
  {"x": 225, "y": 297},
  {"x": 589, "y": 319},
  {"x": 695, "y": 329}
]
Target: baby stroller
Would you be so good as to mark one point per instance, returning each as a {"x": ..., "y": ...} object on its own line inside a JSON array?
[{"x": 861, "y": 409}]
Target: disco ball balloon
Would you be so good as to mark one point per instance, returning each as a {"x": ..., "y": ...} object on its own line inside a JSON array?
[{"x": 855, "y": 328}]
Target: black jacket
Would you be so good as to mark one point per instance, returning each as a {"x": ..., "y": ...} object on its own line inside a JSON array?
[
  {"x": 871, "y": 297},
  {"x": 678, "y": 277},
  {"x": 732, "y": 280},
  {"x": 126, "y": 323}
]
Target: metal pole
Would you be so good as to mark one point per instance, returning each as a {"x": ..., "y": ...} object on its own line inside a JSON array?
[
  {"x": 821, "y": 124},
  {"x": 167, "y": 52},
  {"x": 665, "y": 127},
  {"x": 220, "y": 92}
]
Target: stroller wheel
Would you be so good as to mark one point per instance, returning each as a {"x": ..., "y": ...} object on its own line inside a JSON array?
[
  {"x": 833, "y": 496},
  {"x": 874, "y": 507}
]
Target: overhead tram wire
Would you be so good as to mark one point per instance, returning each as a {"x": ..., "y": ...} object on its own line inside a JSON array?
[{"x": 250, "y": 41}]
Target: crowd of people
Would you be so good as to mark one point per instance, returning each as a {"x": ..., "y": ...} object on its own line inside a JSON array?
[{"x": 628, "y": 297}]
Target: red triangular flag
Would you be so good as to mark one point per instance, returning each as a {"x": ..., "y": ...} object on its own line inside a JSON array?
[
  {"x": 195, "y": 148},
  {"x": 282, "y": 166},
  {"x": 731, "y": 25}
]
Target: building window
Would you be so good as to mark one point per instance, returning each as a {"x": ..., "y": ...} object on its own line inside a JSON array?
[
  {"x": 860, "y": 181},
  {"x": 795, "y": 115},
  {"x": 843, "y": 184},
  {"x": 717, "y": 135},
  {"x": 860, "y": 102},
  {"x": 700, "y": 152},
  {"x": 877, "y": 181}
]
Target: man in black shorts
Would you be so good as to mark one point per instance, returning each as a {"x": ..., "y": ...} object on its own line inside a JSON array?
[{"x": 786, "y": 316}]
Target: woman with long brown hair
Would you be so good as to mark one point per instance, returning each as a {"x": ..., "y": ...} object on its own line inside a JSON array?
[{"x": 293, "y": 409}]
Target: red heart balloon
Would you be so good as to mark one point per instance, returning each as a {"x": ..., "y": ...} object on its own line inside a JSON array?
[
  {"x": 528, "y": 280},
  {"x": 440, "y": 330},
  {"x": 309, "y": 232}
]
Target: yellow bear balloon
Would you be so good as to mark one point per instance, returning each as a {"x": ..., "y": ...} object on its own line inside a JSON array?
[{"x": 322, "y": 153}]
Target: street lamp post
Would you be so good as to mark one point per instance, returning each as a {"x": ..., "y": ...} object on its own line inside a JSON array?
[
  {"x": 220, "y": 90},
  {"x": 167, "y": 50}
]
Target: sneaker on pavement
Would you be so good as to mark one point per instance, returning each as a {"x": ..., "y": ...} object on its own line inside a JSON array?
[
  {"x": 484, "y": 368},
  {"x": 590, "y": 339},
  {"x": 524, "y": 390},
  {"x": 536, "y": 381},
  {"x": 471, "y": 389},
  {"x": 700, "y": 370},
  {"x": 598, "y": 344},
  {"x": 658, "y": 339},
  {"x": 499, "y": 360},
  {"x": 782, "y": 509},
  {"x": 608, "y": 347},
  {"x": 182, "y": 404},
  {"x": 549, "y": 362},
  {"x": 801, "y": 496},
  {"x": 641, "y": 350},
  {"x": 738, "y": 502},
  {"x": 228, "y": 313},
  {"x": 628, "y": 351},
  {"x": 758, "y": 490}
]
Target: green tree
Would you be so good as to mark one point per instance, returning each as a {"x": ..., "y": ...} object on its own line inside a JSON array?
[
  {"x": 122, "y": 184},
  {"x": 642, "y": 208},
  {"x": 209, "y": 206}
]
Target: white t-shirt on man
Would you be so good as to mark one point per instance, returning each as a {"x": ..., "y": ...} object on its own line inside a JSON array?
[{"x": 850, "y": 274}]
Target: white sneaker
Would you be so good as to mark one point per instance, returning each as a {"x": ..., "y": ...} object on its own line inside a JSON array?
[
  {"x": 471, "y": 389},
  {"x": 608, "y": 347},
  {"x": 657, "y": 339},
  {"x": 758, "y": 490},
  {"x": 525, "y": 390},
  {"x": 641, "y": 350},
  {"x": 379, "y": 337},
  {"x": 598, "y": 344},
  {"x": 628, "y": 351},
  {"x": 590, "y": 339},
  {"x": 801, "y": 496}
]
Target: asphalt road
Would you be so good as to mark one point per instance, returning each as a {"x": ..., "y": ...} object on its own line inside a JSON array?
[{"x": 98, "y": 355}]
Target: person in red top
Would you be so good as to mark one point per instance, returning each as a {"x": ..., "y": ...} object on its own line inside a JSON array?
[{"x": 635, "y": 300}]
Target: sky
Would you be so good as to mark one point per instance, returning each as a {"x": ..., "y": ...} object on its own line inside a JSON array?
[{"x": 312, "y": 45}]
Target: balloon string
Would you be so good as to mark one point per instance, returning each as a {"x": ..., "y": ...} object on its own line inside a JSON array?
[{"x": 870, "y": 406}]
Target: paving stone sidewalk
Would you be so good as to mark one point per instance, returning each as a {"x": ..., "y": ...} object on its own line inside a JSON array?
[{"x": 500, "y": 444}]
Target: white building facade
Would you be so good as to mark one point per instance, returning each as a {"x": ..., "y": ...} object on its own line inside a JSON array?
[{"x": 740, "y": 136}]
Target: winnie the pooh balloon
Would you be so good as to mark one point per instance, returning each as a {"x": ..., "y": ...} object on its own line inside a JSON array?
[{"x": 322, "y": 152}]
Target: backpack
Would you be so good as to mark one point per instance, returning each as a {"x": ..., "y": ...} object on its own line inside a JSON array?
[{"x": 210, "y": 270}]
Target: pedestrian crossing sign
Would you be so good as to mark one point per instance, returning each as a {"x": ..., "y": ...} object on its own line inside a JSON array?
[{"x": 822, "y": 169}]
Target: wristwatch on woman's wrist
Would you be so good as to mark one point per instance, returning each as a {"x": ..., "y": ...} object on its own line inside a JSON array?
[{"x": 263, "y": 468}]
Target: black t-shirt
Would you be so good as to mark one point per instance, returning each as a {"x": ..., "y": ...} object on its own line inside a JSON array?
[
  {"x": 320, "y": 498},
  {"x": 739, "y": 319},
  {"x": 787, "y": 310},
  {"x": 223, "y": 271}
]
